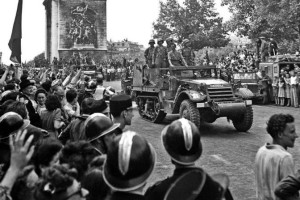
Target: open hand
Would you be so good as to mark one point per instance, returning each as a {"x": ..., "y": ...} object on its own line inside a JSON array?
[{"x": 21, "y": 151}]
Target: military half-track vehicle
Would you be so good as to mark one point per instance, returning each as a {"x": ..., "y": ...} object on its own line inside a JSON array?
[
  {"x": 247, "y": 85},
  {"x": 195, "y": 93}
]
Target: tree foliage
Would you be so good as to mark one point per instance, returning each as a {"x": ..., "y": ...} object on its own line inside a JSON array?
[
  {"x": 195, "y": 20},
  {"x": 279, "y": 19}
]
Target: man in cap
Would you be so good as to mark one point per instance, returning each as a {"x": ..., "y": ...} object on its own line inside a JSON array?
[
  {"x": 160, "y": 55},
  {"x": 181, "y": 140},
  {"x": 149, "y": 53},
  {"x": 187, "y": 52},
  {"x": 27, "y": 89},
  {"x": 121, "y": 109},
  {"x": 100, "y": 132},
  {"x": 130, "y": 162}
]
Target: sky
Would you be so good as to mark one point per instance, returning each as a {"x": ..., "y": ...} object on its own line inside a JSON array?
[{"x": 131, "y": 19}]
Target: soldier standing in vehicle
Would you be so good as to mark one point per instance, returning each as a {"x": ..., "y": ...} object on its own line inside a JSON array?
[
  {"x": 160, "y": 55},
  {"x": 175, "y": 58},
  {"x": 169, "y": 42},
  {"x": 149, "y": 53},
  {"x": 187, "y": 52}
]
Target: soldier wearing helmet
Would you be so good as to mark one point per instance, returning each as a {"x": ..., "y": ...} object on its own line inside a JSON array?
[
  {"x": 160, "y": 55},
  {"x": 149, "y": 53},
  {"x": 129, "y": 163},
  {"x": 187, "y": 52},
  {"x": 181, "y": 140}
]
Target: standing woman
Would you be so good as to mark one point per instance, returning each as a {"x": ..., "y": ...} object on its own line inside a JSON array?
[
  {"x": 275, "y": 90},
  {"x": 51, "y": 118},
  {"x": 281, "y": 91},
  {"x": 294, "y": 85},
  {"x": 287, "y": 80},
  {"x": 40, "y": 98}
]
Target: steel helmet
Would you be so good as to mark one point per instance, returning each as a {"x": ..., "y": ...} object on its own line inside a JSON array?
[
  {"x": 181, "y": 140},
  {"x": 130, "y": 162},
  {"x": 185, "y": 41},
  {"x": 97, "y": 125},
  {"x": 151, "y": 41},
  {"x": 160, "y": 40}
]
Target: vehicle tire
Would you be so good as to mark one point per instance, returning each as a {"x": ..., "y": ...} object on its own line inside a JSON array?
[
  {"x": 244, "y": 122},
  {"x": 189, "y": 111},
  {"x": 244, "y": 93}
]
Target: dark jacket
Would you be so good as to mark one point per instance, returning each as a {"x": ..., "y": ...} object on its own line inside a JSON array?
[
  {"x": 34, "y": 117},
  {"x": 288, "y": 188},
  {"x": 125, "y": 196},
  {"x": 211, "y": 190},
  {"x": 75, "y": 131}
]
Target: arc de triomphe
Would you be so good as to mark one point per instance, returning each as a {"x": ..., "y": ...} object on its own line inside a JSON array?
[{"x": 75, "y": 26}]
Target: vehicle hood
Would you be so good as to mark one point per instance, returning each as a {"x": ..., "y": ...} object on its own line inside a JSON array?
[{"x": 209, "y": 81}]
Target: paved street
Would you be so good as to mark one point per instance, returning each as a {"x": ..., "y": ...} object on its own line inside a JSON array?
[{"x": 224, "y": 149}]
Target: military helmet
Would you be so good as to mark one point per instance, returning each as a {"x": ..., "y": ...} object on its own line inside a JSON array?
[
  {"x": 169, "y": 39},
  {"x": 151, "y": 41},
  {"x": 97, "y": 125},
  {"x": 130, "y": 162},
  {"x": 185, "y": 41},
  {"x": 160, "y": 40},
  {"x": 181, "y": 140}
]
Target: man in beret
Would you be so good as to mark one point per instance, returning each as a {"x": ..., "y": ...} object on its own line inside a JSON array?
[
  {"x": 160, "y": 55},
  {"x": 122, "y": 111}
]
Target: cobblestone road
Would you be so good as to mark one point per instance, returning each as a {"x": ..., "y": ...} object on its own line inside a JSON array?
[{"x": 224, "y": 149}]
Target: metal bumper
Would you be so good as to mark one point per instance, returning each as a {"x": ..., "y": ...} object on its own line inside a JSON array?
[{"x": 227, "y": 109}]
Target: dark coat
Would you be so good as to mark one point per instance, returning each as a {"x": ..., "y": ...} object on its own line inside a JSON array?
[{"x": 210, "y": 191}]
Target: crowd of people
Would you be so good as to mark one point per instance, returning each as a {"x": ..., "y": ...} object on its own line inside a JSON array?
[{"x": 64, "y": 139}]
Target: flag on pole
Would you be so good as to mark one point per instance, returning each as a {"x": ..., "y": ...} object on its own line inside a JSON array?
[{"x": 16, "y": 35}]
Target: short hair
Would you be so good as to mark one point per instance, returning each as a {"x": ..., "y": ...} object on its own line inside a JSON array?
[
  {"x": 41, "y": 90},
  {"x": 71, "y": 95},
  {"x": 78, "y": 155},
  {"x": 17, "y": 107},
  {"x": 45, "y": 152},
  {"x": 99, "y": 80},
  {"x": 86, "y": 105},
  {"x": 277, "y": 124},
  {"x": 52, "y": 102}
]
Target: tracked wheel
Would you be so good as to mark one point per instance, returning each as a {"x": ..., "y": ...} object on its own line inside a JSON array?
[{"x": 149, "y": 108}]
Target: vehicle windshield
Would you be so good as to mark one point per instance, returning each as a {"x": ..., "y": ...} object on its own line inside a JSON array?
[
  {"x": 197, "y": 73},
  {"x": 89, "y": 68},
  {"x": 244, "y": 75}
]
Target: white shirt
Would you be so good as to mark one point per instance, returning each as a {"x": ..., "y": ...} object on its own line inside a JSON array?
[
  {"x": 272, "y": 164},
  {"x": 293, "y": 80},
  {"x": 99, "y": 92}
]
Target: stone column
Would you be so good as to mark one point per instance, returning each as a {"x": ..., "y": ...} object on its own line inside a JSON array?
[
  {"x": 47, "y": 4},
  {"x": 54, "y": 29}
]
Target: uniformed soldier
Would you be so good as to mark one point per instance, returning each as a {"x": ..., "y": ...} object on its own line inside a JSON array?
[
  {"x": 169, "y": 42},
  {"x": 181, "y": 140},
  {"x": 264, "y": 49},
  {"x": 175, "y": 58},
  {"x": 160, "y": 55},
  {"x": 121, "y": 109},
  {"x": 149, "y": 53},
  {"x": 187, "y": 52},
  {"x": 130, "y": 162},
  {"x": 100, "y": 131}
]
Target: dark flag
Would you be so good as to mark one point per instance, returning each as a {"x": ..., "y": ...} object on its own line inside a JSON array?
[{"x": 16, "y": 35}]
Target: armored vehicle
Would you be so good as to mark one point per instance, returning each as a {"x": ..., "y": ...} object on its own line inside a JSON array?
[
  {"x": 195, "y": 93},
  {"x": 90, "y": 70},
  {"x": 247, "y": 85}
]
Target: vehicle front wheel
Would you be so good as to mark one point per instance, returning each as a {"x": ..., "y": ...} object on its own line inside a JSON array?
[
  {"x": 244, "y": 122},
  {"x": 189, "y": 111}
]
